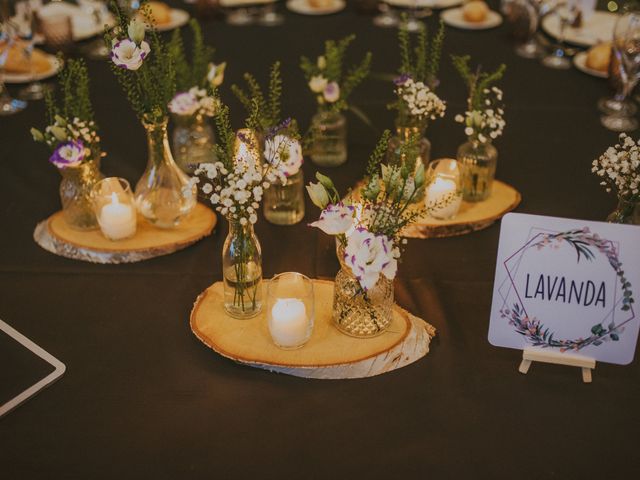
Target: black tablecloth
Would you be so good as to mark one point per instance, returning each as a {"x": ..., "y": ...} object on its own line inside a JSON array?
[{"x": 143, "y": 398}]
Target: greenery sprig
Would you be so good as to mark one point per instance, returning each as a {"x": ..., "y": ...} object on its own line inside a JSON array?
[
  {"x": 422, "y": 60},
  {"x": 478, "y": 82},
  {"x": 191, "y": 70}
]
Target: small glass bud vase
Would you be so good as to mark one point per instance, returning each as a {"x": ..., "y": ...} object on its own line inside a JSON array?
[
  {"x": 75, "y": 194},
  {"x": 163, "y": 194},
  {"x": 478, "y": 162},
  {"x": 242, "y": 270},
  {"x": 329, "y": 131},
  {"x": 290, "y": 309},
  {"x": 284, "y": 203},
  {"x": 193, "y": 141},
  {"x": 627, "y": 212},
  {"x": 422, "y": 154},
  {"x": 115, "y": 208},
  {"x": 443, "y": 195},
  {"x": 358, "y": 312}
]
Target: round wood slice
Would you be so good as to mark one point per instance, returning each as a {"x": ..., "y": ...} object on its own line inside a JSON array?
[
  {"x": 472, "y": 216},
  {"x": 329, "y": 354},
  {"x": 57, "y": 237}
]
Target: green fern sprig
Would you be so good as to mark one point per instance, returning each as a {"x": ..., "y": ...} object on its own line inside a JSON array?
[
  {"x": 477, "y": 81},
  {"x": 264, "y": 109},
  {"x": 191, "y": 71},
  {"x": 422, "y": 60},
  {"x": 225, "y": 136},
  {"x": 378, "y": 155}
]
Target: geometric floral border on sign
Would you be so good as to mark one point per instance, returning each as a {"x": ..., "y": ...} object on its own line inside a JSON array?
[{"x": 586, "y": 245}]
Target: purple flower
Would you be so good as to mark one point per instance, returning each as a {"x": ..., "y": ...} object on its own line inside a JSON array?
[
  {"x": 331, "y": 92},
  {"x": 68, "y": 154},
  {"x": 402, "y": 79},
  {"x": 128, "y": 55}
]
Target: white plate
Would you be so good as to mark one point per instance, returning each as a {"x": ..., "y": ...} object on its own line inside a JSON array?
[
  {"x": 54, "y": 66},
  {"x": 580, "y": 62},
  {"x": 304, "y": 8},
  {"x": 454, "y": 18},
  {"x": 177, "y": 18},
  {"x": 436, "y": 4},
  {"x": 83, "y": 23},
  {"x": 243, "y": 3},
  {"x": 597, "y": 29}
]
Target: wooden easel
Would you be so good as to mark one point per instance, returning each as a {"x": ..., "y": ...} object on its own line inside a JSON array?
[{"x": 530, "y": 355}]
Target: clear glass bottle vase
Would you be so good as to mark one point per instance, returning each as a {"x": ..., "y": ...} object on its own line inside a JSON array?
[
  {"x": 242, "y": 271},
  {"x": 627, "y": 212},
  {"x": 75, "y": 194},
  {"x": 163, "y": 196},
  {"x": 284, "y": 204},
  {"x": 329, "y": 131},
  {"x": 193, "y": 141},
  {"x": 478, "y": 162},
  {"x": 358, "y": 312}
]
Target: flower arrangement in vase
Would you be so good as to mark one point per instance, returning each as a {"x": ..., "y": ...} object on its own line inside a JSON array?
[
  {"x": 619, "y": 169},
  {"x": 367, "y": 226},
  {"x": 73, "y": 139},
  {"x": 284, "y": 200},
  {"x": 416, "y": 102},
  {"x": 146, "y": 71},
  {"x": 484, "y": 122},
  {"x": 197, "y": 77},
  {"x": 235, "y": 185},
  {"x": 332, "y": 88}
]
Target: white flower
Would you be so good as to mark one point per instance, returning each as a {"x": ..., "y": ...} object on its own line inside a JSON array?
[
  {"x": 335, "y": 219},
  {"x": 331, "y": 92},
  {"x": 207, "y": 188},
  {"x": 126, "y": 54},
  {"x": 284, "y": 153},
  {"x": 184, "y": 103},
  {"x": 420, "y": 101},
  {"x": 369, "y": 255},
  {"x": 318, "y": 83},
  {"x": 318, "y": 195},
  {"x": 215, "y": 76},
  {"x": 136, "y": 30},
  {"x": 322, "y": 62}
]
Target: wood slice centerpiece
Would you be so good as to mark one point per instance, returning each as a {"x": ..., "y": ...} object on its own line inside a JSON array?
[
  {"x": 329, "y": 354},
  {"x": 55, "y": 236}
]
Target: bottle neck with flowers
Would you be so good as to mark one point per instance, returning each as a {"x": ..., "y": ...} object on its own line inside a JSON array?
[{"x": 332, "y": 89}]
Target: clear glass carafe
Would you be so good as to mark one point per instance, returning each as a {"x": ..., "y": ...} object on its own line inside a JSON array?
[{"x": 478, "y": 162}]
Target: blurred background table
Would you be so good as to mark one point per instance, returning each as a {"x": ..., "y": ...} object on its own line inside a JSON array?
[{"x": 143, "y": 398}]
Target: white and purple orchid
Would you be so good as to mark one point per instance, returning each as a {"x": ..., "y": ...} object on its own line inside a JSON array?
[
  {"x": 68, "y": 154},
  {"x": 129, "y": 55},
  {"x": 331, "y": 93},
  {"x": 285, "y": 153},
  {"x": 369, "y": 255},
  {"x": 336, "y": 219}
]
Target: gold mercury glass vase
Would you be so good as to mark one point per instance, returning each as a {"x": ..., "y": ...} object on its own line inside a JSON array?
[
  {"x": 358, "y": 312},
  {"x": 163, "y": 195},
  {"x": 75, "y": 194}
]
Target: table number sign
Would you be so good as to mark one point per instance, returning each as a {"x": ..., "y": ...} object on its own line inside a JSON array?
[{"x": 566, "y": 289}]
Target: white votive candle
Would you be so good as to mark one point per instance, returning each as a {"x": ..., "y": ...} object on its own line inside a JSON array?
[
  {"x": 289, "y": 324},
  {"x": 117, "y": 220},
  {"x": 443, "y": 191}
]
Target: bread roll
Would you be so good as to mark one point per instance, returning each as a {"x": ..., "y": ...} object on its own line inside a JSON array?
[
  {"x": 598, "y": 57},
  {"x": 320, "y": 4},
  {"x": 17, "y": 61},
  {"x": 160, "y": 13},
  {"x": 475, "y": 11}
]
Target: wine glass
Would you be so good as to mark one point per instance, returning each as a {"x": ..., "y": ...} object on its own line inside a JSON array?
[
  {"x": 8, "y": 105},
  {"x": 626, "y": 49},
  {"x": 618, "y": 102},
  {"x": 24, "y": 21},
  {"x": 558, "y": 58},
  {"x": 525, "y": 18},
  {"x": 387, "y": 18},
  {"x": 413, "y": 24},
  {"x": 269, "y": 17}
]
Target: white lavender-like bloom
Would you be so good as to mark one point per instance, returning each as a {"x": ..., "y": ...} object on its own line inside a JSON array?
[
  {"x": 318, "y": 83},
  {"x": 335, "y": 219},
  {"x": 420, "y": 101},
  {"x": 488, "y": 124},
  {"x": 184, "y": 103},
  {"x": 331, "y": 92},
  {"x": 619, "y": 167},
  {"x": 369, "y": 255},
  {"x": 68, "y": 154},
  {"x": 284, "y": 153},
  {"x": 126, "y": 54}
]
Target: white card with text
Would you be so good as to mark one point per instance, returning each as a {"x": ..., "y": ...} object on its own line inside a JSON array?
[{"x": 567, "y": 286}]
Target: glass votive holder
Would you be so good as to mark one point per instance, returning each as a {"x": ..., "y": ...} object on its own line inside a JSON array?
[
  {"x": 443, "y": 195},
  {"x": 290, "y": 309},
  {"x": 114, "y": 206}
]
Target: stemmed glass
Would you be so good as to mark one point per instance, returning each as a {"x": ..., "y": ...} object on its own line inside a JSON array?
[
  {"x": 558, "y": 58},
  {"x": 269, "y": 17},
  {"x": 626, "y": 50},
  {"x": 8, "y": 105},
  {"x": 388, "y": 17},
  {"x": 413, "y": 24},
  {"x": 525, "y": 16},
  {"x": 24, "y": 21}
]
